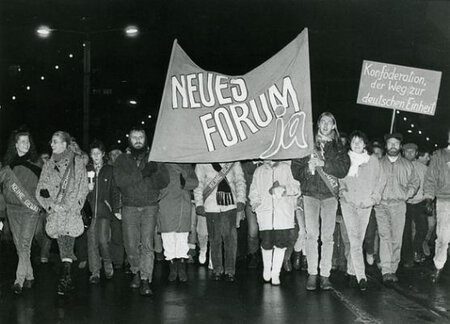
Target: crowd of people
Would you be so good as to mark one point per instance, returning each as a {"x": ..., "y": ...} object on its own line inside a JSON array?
[{"x": 385, "y": 201}]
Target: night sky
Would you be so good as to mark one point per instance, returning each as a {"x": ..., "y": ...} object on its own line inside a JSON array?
[{"x": 230, "y": 37}]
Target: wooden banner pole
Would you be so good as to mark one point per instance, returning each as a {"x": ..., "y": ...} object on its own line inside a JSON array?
[{"x": 394, "y": 112}]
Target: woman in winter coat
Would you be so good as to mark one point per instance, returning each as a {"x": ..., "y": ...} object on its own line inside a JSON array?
[
  {"x": 104, "y": 200},
  {"x": 19, "y": 178},
  {"x": 62, "y": 191},
  {"x": 359, "y": 191},
  {"x": 273, "y": 196},
  {"x": 174, "y": 219}
]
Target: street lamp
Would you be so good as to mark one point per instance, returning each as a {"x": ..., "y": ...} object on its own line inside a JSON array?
[{"x": 46, "y": 31}]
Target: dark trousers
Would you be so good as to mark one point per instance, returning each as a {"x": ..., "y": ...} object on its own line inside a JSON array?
[
  {"x": 138, "y": 225},
  {"x": 116, "y": 246},
  {"x": 222, "y": 229},
  {"x": 414, "y": 213},
  {"x": 98, "y": 244},
  {"x": 369, "y": 239}
]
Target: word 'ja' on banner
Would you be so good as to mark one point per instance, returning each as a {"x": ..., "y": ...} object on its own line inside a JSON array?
[
  {"x": 211, "y": 117},
  {"x": 399, "y": 87}
]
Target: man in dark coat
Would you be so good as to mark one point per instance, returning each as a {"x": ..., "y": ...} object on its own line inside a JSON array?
[{"x": 139, "y": 182}]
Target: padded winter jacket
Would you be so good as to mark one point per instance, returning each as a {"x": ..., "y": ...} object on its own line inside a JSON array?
[
  {"x": 273, "y": 212},
  {"x": 138, "y": 190}
]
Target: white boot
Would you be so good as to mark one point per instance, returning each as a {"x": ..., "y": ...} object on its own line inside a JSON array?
[
  {"x": 210, "y": 265},
  {"x": 267, "y": 263},
  {"x": 277, "y": 263}
]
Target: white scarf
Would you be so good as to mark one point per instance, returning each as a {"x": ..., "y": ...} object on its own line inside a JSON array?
[{"x": 356, "y": 159}]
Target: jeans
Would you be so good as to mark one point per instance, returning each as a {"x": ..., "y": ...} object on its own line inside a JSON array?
[
  {"x": 320, "y": 220},
  {"x": 22, "y": 222},
  {"x": 116, "y": 248},
  {"x": 301, "y": 240},
  {"x": 356, "y": 221},
  {"x": 252, "y": 238},
  {"x": 202, "y": 233},
  {"x": 414, "y": 213},
  {"x": 391, "y": 222},
  {"x": 138, "y": 233},
  {"x": 442, "y": 232},
  {"x": 98, "y": 244},
  {"x": 222, "y": 229}
]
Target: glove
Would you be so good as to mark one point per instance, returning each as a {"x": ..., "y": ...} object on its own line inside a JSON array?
[
  {"x": 44, "y": 193},
  {"x": 200, "y": 210},
  {"x": 240, "y": 206},
  {"x": 182, "y": 181},
  {"x": 149, "y": 169},
  {"x": 275, "y": 184}
]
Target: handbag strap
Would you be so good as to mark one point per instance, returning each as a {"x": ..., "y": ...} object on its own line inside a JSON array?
[{"x": 65, "y": 180}]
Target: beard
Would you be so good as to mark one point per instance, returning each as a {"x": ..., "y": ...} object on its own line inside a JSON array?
[
  {"x": 138, "y": 151},
  {"x": 393, "y": 152}
]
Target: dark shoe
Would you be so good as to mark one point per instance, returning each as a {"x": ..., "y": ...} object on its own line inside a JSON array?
[
  {"x": 17, "y": 288},
  {"x": 182, "y": 275},
  {"x": 387, "y": 280},
  {"x": 394, "y": 277},
  {"x": 127, "y": 269},
  {"x": 216, "y": 276},
  {"x": 172, "y": 270},
  {"x": 304, "y": 266},
  {"x": 28, "y": 284},
  {"x": 419, "y": 257},
  {"x": 325, "y": 283},
  {"x": 352, "y": 282},
  {"x": 297, "y": 260},
  {"x": 362, "y": 285},
  {"x": 230, "y": 277},
  {"x": 436, "y": 275},
  {"x": 109, "y": 270},
  {"x": 65, "y": 284},
  {"x": 94, "y": 279},
  {"x": 408, "y": 264},
  {"x": 145, "y": 290},
  {"x": 287, "y": 265},
  {"x": 311, "y": 283},
  {"x": 136, "y": 281},
  {"x": 252, "y": 261}
]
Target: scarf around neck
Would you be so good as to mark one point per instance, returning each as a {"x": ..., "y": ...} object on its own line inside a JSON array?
[
  {"x": 357, "y": 159},
  {"x": 224, "y": 197}
]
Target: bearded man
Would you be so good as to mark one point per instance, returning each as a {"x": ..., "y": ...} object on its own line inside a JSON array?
[
  {"x": 402, "y": 184},
  {"x": 139, "y": 182}
]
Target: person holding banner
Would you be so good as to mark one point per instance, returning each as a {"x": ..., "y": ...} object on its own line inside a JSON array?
[
  {"x": 220, "y": 196},
  {"x": 62, "y": 191},
  {"x": 175, "y": 215},
  {"x": 139, "y": 182},
  {"x": 437, "y": 185},
  {"x": 19, "y": 178},
  {"x": 318, "y": 175},
  {"x": 402, "y": 184},
  {"x": 273, "y": 196},
  {"x": 359, "y": 191}
]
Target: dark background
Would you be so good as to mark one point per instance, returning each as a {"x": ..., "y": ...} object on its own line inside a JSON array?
[{"x": 231, "y": 37}]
